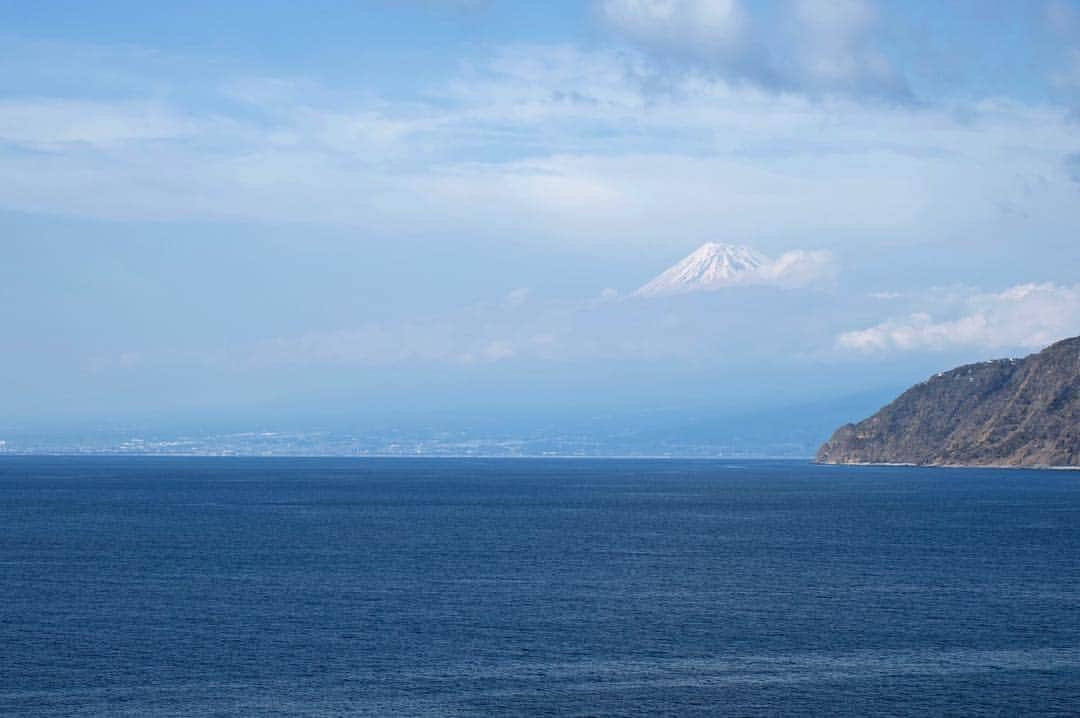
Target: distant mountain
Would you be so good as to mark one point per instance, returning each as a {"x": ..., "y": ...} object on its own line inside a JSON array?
[
  {"x": 1009, "y": 412},
  {"x": 711, "y": 266},
  {"x": 714, "y": 266}
]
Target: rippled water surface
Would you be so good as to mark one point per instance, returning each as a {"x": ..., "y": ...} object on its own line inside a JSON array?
[{"x": 325, "y": 587}]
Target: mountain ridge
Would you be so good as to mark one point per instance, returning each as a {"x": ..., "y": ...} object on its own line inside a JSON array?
[{"x": 1003, "y": 412}]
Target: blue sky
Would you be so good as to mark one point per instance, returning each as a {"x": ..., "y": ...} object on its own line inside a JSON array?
[{"x": 360, "y": 208}]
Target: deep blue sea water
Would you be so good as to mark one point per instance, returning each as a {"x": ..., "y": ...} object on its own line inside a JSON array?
[{"x": 327, "y": 587}]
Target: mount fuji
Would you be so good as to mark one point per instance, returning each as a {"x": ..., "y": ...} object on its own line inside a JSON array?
[
  {"x": 714, "y": 266},
  {"x": 711, "y": 266}
]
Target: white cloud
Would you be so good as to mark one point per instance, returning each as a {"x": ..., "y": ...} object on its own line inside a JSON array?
[
  {"x": 1027, "y": 316},
  {"x": 717, "y": 35},
  {"x": 819, "y": 46},
  {"x": 516, "y": 297},
  {"x": 56, "y": 123},
  {"x": 549, "y": 144},
  {"x": 497, "y": 350},
  {"x": 836, "y": 50},
  {"x": 707, "y": 29},
  {"x": 799, "y": 268}
]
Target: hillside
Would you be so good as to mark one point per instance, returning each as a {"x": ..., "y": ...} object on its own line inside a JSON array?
[{"x": 1009, "y": 412}]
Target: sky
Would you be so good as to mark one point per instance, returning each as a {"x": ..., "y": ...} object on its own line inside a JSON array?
[{"x": 346, "y": 213}]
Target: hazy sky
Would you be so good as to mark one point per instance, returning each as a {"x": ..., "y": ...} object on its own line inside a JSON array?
[{"x": 359, "y": 208}]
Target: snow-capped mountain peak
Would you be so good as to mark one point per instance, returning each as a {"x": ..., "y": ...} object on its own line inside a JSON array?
[{"x": 710, "y": 266}]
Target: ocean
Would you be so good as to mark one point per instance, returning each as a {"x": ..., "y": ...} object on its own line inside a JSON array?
[{"x": 470, "y": 587}]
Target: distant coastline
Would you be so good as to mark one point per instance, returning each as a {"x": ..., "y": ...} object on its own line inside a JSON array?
[{"x": 531, "y": 457}]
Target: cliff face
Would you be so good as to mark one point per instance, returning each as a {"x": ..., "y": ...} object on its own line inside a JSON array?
[{"x": 1010, "y": 412}]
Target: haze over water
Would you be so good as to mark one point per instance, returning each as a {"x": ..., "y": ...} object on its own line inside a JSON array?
[{"x": 195, "y": 587}]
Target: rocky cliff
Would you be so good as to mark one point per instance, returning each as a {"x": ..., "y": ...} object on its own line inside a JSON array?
[{"x": 1009, "y": 412}]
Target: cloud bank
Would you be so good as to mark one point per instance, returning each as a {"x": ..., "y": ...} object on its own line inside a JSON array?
[
  {"x": 716, "y": 32},
  {"x": 549, "y": 143},
  {"x": 1026, "y": 316},
  {"x": 819, "y": 47}
]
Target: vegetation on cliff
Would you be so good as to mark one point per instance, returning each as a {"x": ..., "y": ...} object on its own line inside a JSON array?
[{"x": 1009, "y": 412}]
